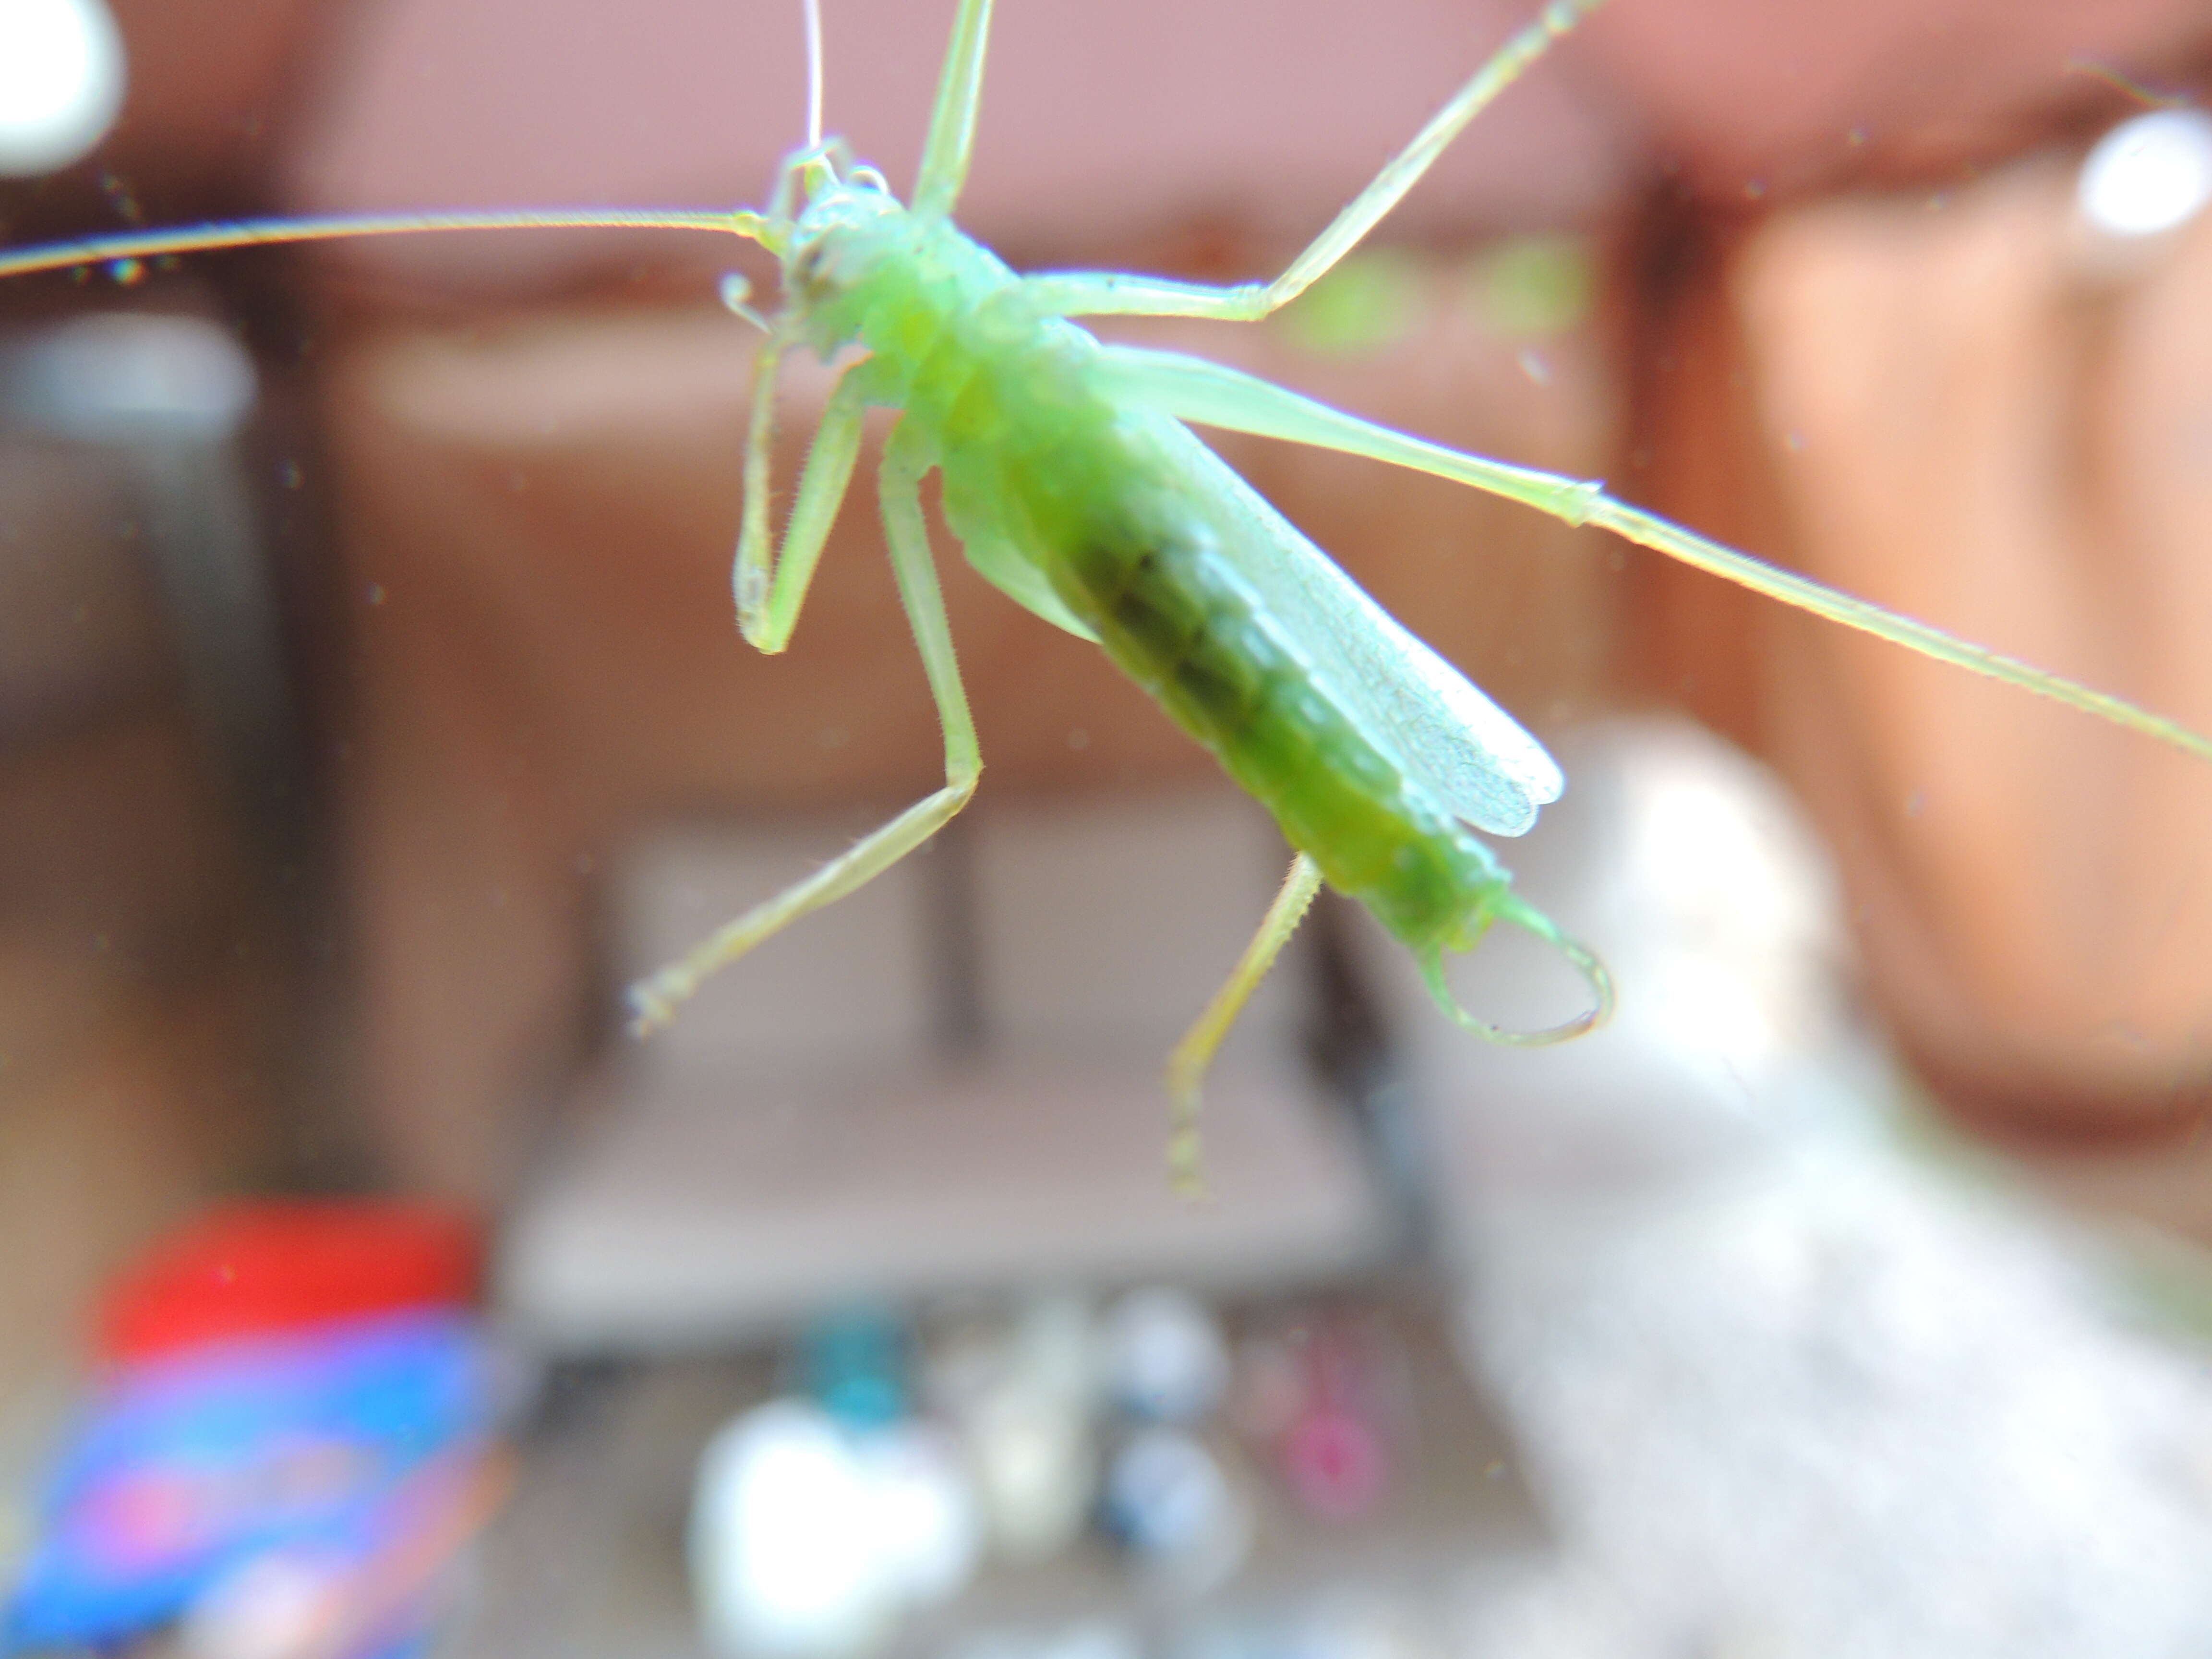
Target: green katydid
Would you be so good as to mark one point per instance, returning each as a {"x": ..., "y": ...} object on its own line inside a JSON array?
[{"x": 1075, "y": 484}]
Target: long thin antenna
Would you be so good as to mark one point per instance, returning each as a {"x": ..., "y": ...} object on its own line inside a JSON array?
[
  {"x": 125, "y": 248},
  {"x": 813, "y": 10}
]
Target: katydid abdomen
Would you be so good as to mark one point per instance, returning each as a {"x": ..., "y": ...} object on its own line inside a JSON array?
[{"x": 1177, "y": 619}]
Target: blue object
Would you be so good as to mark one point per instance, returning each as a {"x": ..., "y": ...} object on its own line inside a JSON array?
[
  {"x": 189, "y": 1467},
  {"x": 855, "y": 1364}
]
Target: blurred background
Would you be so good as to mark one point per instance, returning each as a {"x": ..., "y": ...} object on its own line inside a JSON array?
[{"x": 371, "y": 711}]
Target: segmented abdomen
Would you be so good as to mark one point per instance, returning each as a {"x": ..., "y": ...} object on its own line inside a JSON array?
[{"x": 1175, "y": 616}]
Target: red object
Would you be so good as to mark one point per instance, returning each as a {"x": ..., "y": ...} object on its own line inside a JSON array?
[{"x": 247, "y": 1269}]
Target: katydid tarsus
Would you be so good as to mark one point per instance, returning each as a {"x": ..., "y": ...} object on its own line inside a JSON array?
[{"x": 1075, "y": 484}]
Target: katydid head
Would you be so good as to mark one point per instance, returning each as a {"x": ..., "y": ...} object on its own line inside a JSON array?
[
  {"x": 827, "y": 224},
  {"x": 821, "y": 197}
]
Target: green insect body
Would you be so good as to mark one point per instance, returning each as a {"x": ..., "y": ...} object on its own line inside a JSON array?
[
  {"x": 1123, "y": 517},
  {"x": 1076, "y": 487},
  {"x": 1178, "y": 619},
  {"x": 1118, "y": 523}
]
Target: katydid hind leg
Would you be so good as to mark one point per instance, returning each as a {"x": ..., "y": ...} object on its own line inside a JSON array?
[
  {"x": 654, "y": 1000},
  {"x": 1193, "y": 1055},
  {"x": 1210, "y": 394},
  {"x": 1098, "y": 294}
]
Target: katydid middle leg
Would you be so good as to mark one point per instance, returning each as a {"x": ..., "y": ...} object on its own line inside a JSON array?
[
  {"x": 952, "y": 136},
  {"x": 1106, "y": 292},
  {"x": 654, "y": 1000}
]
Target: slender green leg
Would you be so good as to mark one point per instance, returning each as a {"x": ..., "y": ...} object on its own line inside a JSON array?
[
  {"x": 951, "y": 137},
  {"x": 1101, "y": 292},
  {"x": 654, "y": 1000},
  {"x": 1195, "y": 389},
  {"x": 1188, "y": 1064},
  {"x": 770, "y": 592}
]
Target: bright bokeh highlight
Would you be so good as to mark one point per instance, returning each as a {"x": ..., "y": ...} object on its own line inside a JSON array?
[
  {"x": 61, "y": 82},
  {"x": 2150, "y": 174}
]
